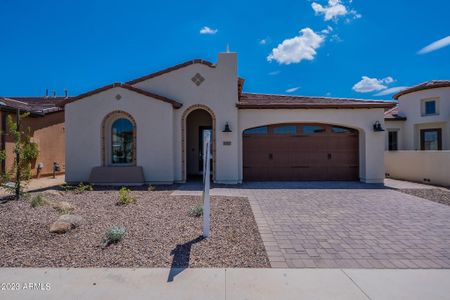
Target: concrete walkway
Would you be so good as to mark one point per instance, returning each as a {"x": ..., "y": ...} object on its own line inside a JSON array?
[{"x": 225, "y": 284}]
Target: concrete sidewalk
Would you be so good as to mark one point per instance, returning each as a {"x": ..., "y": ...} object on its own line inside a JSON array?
[{"x": 218, "y": 284}]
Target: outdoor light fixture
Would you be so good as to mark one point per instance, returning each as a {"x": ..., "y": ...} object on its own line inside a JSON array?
[
  {"x": 377, "y": 126},
  {"x": 227, "y": 128}
]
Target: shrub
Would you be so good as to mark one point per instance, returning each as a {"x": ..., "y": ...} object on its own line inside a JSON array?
[
  {"x": 196, "y": 211},
  {"x": 38, "y": 200},
  {"x": 124, "y": 197},
  {"x": 81, "y": 188},
  {"x": 113, "y": 235}
]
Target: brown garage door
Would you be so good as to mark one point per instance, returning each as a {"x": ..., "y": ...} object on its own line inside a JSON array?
[{"x": 289, "y": 152}]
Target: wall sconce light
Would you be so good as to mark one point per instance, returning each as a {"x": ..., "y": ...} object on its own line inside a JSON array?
[
  {"x": 227, "y": 128},
  {"x": 377, "y": 127}
]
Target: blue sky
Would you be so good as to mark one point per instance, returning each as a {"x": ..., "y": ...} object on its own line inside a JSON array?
[{"x": 301, "y": 47}]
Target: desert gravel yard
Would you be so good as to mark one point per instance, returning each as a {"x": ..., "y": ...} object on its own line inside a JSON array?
[
  {"x": 160, "y": 233},
  {"x": 439, "y": 195}
]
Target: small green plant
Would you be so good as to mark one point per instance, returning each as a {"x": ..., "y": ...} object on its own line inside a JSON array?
[
  {"x": 82, "y": 187},
  {"x": 67, "y": 187},
  {"x": 25, "y": 152},
  {"x": 113, "y": 235},
  {"x": 124, "y": 197},
  {"x": 65, "y": 210},
  {"x": 38, "y": 200},
  {"x": 196, "y": 211}
]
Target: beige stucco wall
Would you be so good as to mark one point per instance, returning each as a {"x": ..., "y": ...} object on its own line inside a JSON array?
[
  {"x": 410, "y": 105},
  {"x": 160, "y": 141},
  {"x": 219, "y": 92},
  {"x": 419, "y": 165},
  {"x": 371, "y": 144},
  {"x": 154, "y": 123},
  {"x": 394, "y": 126}
]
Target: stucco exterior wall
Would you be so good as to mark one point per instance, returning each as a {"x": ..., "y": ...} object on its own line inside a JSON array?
[
  {"x": 410, "y": 105},
  {"x": 371, "y": 144},
  {"x": 419, "y": 165},
  {"x": 48, "y": 132},
  {"x": 161, "y": 129},
  {"x": 154, "y": 125},
  {"x": 395, "y": 126},
  {"x": 219, "y": 92}
]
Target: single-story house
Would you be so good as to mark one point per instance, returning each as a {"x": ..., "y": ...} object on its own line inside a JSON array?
[
  {"x": 46, "y": 125},
  {"x": 150, "y": 130}
]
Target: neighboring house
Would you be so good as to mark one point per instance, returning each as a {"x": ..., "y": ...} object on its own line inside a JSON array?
[
  {"x": 421, "y": 120},
  {"x": 46, "y": 124},
  {"x": 418, "y": 134},
  {"x": 150, "y": 130}
]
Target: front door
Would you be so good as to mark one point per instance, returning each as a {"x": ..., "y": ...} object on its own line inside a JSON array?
[{"x": 201, "y": 131}]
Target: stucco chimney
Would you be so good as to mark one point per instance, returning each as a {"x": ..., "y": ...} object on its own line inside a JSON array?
[{"x": 228, "y": 61}]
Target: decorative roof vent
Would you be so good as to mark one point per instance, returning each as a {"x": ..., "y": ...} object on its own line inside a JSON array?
[{"x": 198, "y": 79}]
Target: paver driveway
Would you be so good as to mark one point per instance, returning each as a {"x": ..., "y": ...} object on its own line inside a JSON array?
[{"x": 347, "y": 225}]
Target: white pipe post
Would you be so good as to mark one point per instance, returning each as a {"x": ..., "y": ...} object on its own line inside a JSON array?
[{"x": 206, "y": 181}]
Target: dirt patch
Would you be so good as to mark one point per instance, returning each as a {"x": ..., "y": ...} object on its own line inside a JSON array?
[
  {"x": 437, "y": 195},
  {"x": 160, "y": 233}
]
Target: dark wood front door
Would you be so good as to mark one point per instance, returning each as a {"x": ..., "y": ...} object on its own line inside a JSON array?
[{"x": 292, "y": 152}]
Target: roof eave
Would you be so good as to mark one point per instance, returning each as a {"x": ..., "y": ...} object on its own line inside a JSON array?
[{"x": 314, "y": 106}]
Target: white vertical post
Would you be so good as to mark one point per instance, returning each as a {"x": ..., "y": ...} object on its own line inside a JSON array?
[{"x": 206, "y": 180}]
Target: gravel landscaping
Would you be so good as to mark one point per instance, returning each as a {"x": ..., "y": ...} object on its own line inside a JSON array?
[
  {"x": 437, "y": 195},
  {"x": 159, "y": 233}
]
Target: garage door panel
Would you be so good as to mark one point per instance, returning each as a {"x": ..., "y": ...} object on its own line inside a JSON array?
[{"x": 331, "y": 154}]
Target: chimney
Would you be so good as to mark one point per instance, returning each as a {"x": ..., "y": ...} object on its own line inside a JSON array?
[
  {"x": 228, "y": 61},
  {"x": 66, "y": 93},
  {"x": 46, "y": 93},
  {"x": 54, "y": 94}
]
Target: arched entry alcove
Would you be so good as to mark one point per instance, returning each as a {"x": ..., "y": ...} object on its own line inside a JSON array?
[{"x": 197, "y": 119}]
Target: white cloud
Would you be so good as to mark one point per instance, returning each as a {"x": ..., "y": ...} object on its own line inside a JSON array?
[
  {"x": 274, "y": 73},
  {"x": 435, "y": 45},
  {"x": 291, "y": 90},
  {"x": 207, "y": 30},
  {"x": 327, "y": 30},
  {"x": 367, "y": 84},
  {"x": 296, "y": 49},
  {"x": 263, "y": 42},
  {"x": 392, "y": 90},
  {"x": 334, "y": 10}
]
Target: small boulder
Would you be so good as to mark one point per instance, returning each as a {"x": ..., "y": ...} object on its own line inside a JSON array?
[
  {"x": 74, "y": 220},
  {"x": 60, "y": 227}
]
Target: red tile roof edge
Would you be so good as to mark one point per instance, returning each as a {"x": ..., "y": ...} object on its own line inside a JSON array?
[
  {"x": 170, "y": 69},
  {"x": 432, "y": 84},
  {"x": 352, "y": 103},
  {"x": 174, "y": 103}
]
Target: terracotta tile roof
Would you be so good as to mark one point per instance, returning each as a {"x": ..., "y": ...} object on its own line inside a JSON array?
[
  {"x": 34, "y": 105},
  {"x": 432, "y": 84},
  {"x": 174, "y": 103},
  {"x": 267, "y": 101},
  {"x": 170, "y": 69},
  {"x": 393, "y": 115}
]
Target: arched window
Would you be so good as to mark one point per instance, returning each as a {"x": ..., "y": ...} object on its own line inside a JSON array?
[{"x": 122, "y": 141}]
